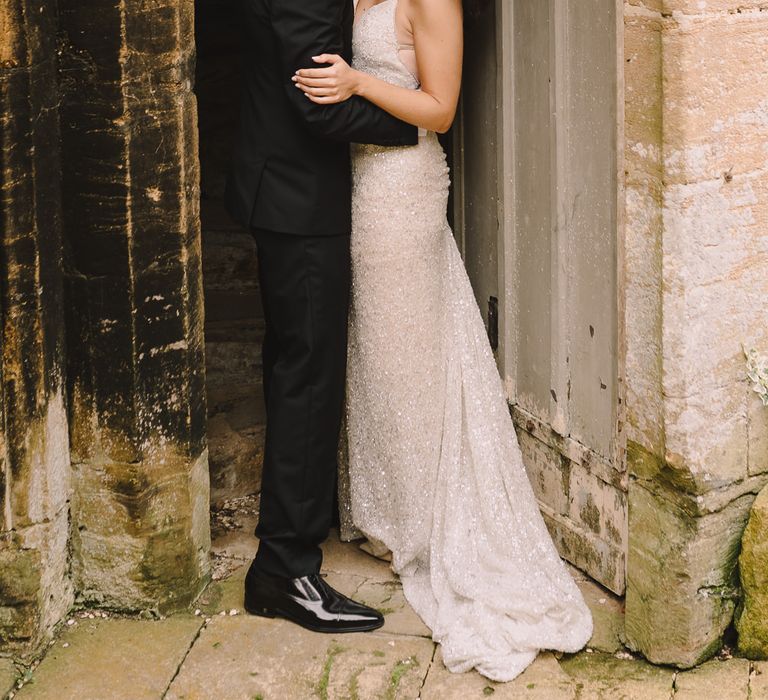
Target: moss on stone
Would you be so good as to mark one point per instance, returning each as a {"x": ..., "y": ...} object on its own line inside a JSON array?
[
  {"x": 752, "y": 613},
  {"x": 9, "y": 674},
  {"x": 400, "y": 669},
  {"x": 321, "y": 689},
  {"x": 20, "y": 583},
  {"x": 646, "y": 466}
]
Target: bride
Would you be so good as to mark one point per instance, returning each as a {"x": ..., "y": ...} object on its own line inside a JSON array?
[{"x": 436, "y": 474}]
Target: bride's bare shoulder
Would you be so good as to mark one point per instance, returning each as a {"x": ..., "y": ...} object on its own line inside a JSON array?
[{"x": 434, "y": 10}]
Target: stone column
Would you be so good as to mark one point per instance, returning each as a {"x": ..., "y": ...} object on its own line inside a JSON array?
[
  {"x": 697, "y": 281},
  {"x": 135, "y": 309},
  {"x": 35, "y": 590}
]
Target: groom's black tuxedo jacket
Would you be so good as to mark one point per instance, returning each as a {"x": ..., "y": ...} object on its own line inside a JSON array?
[{"x": 291, "y": 170}]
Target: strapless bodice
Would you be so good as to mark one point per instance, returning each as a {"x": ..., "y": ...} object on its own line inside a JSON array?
[{"x": 376, "y": 48}]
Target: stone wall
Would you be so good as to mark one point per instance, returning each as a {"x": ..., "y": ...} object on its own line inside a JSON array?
[
  {"x": 234, "y": 328},
  {"x": 103, "y": 454},
  {"x": 35, "y": 588},
  {"x": 136, "y": 371},
  {"x": 697, "y": 280}
]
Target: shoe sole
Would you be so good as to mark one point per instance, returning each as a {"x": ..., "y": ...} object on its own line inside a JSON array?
[{"x": 266, "y": 612}]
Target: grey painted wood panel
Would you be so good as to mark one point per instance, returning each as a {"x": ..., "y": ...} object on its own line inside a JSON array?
[
  {"x": 589, "y": 217},
  {"x": 532, "y": 204},
  {"x": 549, "y": 108}
]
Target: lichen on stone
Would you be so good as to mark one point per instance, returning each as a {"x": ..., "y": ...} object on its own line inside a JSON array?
[{"x": 757, "y": 373}]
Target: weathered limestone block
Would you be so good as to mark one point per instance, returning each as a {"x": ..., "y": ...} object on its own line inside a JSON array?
[
  {"x": 752, "y": 616},
  {"x": 695, "y": 7},
  {"x": 715, "y": 246},
  {"x": 8, "y": 676},
  {"x": 697, "y": 279},
  {"x": 35, "y": 590},
  {"x": 714, "y": 107},
  {"x": 644, "y": 227},
  {"x": 135, "y": 312},
  {"x": 716, "y": 283},
  {"x": 682, "y": 582}
]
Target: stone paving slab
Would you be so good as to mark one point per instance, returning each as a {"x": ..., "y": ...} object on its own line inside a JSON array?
[
  {"x": 236, "y": 655},
  {"x": 607, "y": 612},
  {"x": 241, "y": 543},
  {"x": 338, "y": 557},
  {"x": 348, "y": 584},
  {"x": 8, "y": 676},
  {"x": 223, "y": 595},
  {"x": 113, "y": 659},
  {"x": 348, "y": 558},
  {"x": 601, "y": 676},
  {"x": 372, "y": 581},
  {"x": 758, "y": 681},
  {"x": 246, "y": 657},
  {"x": 719, "y": 680},
  {"x": 542, "y": 680},
  {"x": 399, "y": 616}
]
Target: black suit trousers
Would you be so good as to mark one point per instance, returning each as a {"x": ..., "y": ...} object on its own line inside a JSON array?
[{"x": 305, "y": 284}]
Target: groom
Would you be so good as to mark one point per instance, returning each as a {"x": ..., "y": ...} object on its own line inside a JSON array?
[{"x": 290, "y": 184}]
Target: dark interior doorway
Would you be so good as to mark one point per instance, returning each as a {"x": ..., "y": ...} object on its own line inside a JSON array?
[{"x": 233, "y": 315}]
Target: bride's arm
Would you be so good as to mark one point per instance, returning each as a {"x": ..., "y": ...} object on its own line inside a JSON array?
[{"x": 437, "y": 35}]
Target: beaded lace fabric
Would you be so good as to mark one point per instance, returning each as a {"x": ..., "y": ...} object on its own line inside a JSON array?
[{"x": 435, "y": 470}]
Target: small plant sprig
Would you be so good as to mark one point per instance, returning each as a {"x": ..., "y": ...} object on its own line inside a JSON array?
[{"x": 757, "y": 373}]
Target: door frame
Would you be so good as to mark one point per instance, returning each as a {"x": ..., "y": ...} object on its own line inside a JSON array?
[
  {"x": 505, "y": 188},
  {"x": 554, "y": 432}
]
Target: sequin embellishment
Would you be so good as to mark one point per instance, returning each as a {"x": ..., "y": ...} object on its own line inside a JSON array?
[{"x": 435, "y": 469}]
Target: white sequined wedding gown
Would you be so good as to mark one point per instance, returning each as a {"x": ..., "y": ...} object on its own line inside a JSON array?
[{"x": 435, "y": 470}]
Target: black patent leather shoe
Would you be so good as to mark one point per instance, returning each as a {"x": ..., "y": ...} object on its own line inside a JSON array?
[{"x": 308, "y": 601}]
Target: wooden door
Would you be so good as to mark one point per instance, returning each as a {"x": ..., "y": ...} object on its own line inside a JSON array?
[{"x": 536, "y": 173}]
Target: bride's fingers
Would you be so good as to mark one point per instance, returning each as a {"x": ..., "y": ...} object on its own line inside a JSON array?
[
  {"x": 315, "y": 72},
  {"x": 314, "y": 82},
  {"x": 324, "y": 100},
  {"x": 320, "y": 91},
  {"x": 327, "y": 58}
]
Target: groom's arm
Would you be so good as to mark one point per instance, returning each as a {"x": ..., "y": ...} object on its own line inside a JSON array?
[{"x": 306, "y": 28}]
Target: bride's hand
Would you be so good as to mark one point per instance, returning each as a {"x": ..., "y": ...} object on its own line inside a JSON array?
[{"x": 336, "y": 83}]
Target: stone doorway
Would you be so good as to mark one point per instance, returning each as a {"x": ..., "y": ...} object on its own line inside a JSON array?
[{"x": 512, "y": 177}]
